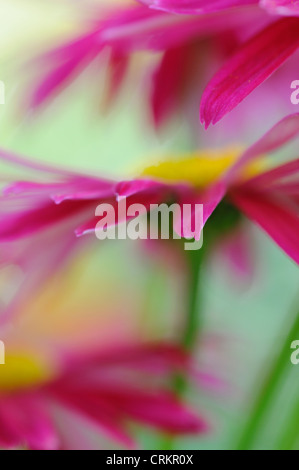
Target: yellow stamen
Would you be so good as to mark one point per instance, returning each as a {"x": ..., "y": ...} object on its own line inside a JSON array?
[
  {"x": 21, "y": 371},
  {"x": 199, "y": 169}
]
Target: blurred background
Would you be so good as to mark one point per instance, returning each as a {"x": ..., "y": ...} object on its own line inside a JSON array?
[{"x": 244, "y": 322}]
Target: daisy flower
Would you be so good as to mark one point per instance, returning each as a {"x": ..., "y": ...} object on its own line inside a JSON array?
[
  {"x": 81, "y": 371},
  {"x": 216, "y": 179},
  {"x": 105, "y": 390}
]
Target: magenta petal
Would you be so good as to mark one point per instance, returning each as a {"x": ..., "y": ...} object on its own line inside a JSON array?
[
  {"x": 91, "y": 404},
  {"x": 168, "y": 83},
  {"x": 279, "y": 219},
  {"x": 118, "y": 68},
  {"x": 255, "y": 61},
  {"x": 19, "y": 160},
  {"x": 80, "y": 53},
  {"x": 278, "y": 136},
  {"x": 111, "y": 400},
  {"x": 281, "y": 7},
  {"x": 196, "y": 7},
  {"x": 23, "y": 420},
  {"x": 282, "y": 175},
  {"x": 143, "y": 192},
  {"x": 128, "y": 188},
  {"x": 209, "y": 200},
  {"x": 237, "y": 251},
  {"x": 24, "y": 223},
  {"x": 125, "y": 30},
  {"x": 162, "y": 411}
]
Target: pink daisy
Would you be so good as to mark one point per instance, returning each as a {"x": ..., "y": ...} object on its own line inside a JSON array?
[
  {"x": 68, "y": 205},
  {"x": 105, "y": 391}
]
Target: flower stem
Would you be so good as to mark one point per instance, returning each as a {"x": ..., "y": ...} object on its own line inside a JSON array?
[
  {"x": 272, "y": 382},
  {"x": 193, "y": 319},
  {"x": 191, "y": 330},
  {"x": 291, "y": 434}
]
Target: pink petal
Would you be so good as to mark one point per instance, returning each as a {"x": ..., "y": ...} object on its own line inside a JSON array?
[
  {"x": 118, "y": 67},
  {"x": 279, "y": 135},
  {"x": 91, "y": 404},
  {"x": 128, "y": 188},
  {"x": 159, "y": 409},
  {"x": 131, "y": 29},
  {"x": 278, "y": 175},
  {"x": 255, "y": 61},
  {"x": 23, "y": 420},
  {"x": 168, "y": 83},
  {"x": 237, "y": 250},
  {"x": 109, "y": 389},
  {"x": 27, "y": 222},
  {"x": 154, "y": 195},
  {"x": 110, "y": 406},
  {"x": 209, "y": 201},
  {"x": 20, "y": 160},
  {"x": 80, "y": 53},
  {"x": 274, "y": 215},
  {"x": 281, "y": 7},
  {"x": 196, "y": 7}
]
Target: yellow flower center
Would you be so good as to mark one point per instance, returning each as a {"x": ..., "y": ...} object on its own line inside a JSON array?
[
  {"x": 21, "y": 371},
  {"x": 199, "y": 169}
]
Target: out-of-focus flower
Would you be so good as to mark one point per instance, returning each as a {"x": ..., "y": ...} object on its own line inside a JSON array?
[
  {"x": 137, "y": 28},
  {"x": 246, "y": 64},
  {"x": 255, "y": 60},
  {"x": 108, "y": 390},
  {"x": 38, "y": 255},
  {"x": 267, "y": 196}
]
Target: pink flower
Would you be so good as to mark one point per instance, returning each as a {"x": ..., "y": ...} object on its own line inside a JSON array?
[
  {"x": 126, "y": 31},
  {"x": 105, "y": 390},
  {"x": 269, "y": 197}
]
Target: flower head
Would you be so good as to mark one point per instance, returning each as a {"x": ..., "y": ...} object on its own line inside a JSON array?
[
  {"x": 267, "y": 196},
  {"x": 105, "y": 390}
]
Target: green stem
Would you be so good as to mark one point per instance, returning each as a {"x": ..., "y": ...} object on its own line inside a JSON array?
[
  {"x": 291, "y": 434},
  {"x": 193, "y": 319},
  {"x": 272, "y": 382},
  {"x": 192, "y": 328}
]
